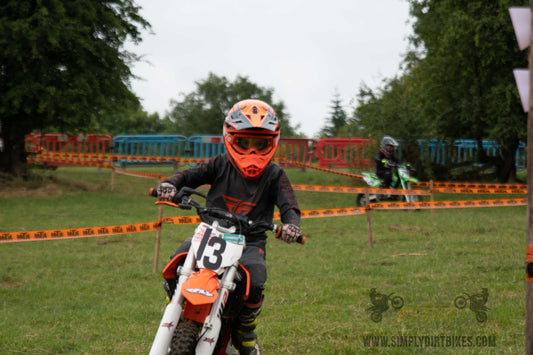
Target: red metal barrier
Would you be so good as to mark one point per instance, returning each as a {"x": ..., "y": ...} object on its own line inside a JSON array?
[
  {"x": 62, "y": 143},
  {"x": 344, "y": 152},
  {"x": 96, "y": 144},
  {"x": 295, "y": 149}
]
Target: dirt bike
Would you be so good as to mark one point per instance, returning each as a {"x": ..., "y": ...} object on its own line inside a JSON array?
[
  {"x": 401, "y": 179},
  {"x": 210, "y": 284},
  {"x": 380, "y": 304},
  {"x": 477, "y": 304}
]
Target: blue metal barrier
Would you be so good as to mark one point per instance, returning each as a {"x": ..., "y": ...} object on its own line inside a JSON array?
[
  {"x": 149, "y": 145},
  {"x": 174, "y": 146},
  {"x": 205, "y": 146},
  {"x": 463, "y": 150}
]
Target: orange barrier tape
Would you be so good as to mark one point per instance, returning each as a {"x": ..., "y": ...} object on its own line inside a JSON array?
[
  {"x": 308, "y": 166},
  {"x": 529, "y": 260},
  {"x": 72, "y": 156},
  {"x": 469, "y": 185},
  {"x": 332, "y": 212},
  {"x": 99, "y": 164},
  {"x": 447, "y": 204},
  {"x": 359, "y": 190},
  {"x": 480, "y": 190},
  {"x": 159, "y": 159},
  {"x": 138, "y": 174},
  {"x": 78, "y": 157},
  {"x": 529, "y": 253},
  {"x": 181, "y": 220},
  {"x": 77, "y": 232}
]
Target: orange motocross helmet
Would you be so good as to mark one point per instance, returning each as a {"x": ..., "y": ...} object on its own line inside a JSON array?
[{"x": 251, "y": 136}]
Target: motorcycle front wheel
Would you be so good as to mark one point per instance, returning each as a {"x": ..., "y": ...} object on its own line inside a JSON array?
[
  {"x": 185, "y": 337},
  {"x": 412, "y": 198}
]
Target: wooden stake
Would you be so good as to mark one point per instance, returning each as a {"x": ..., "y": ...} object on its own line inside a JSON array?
[
  {"x": 369, "y": 220},
  {"x": 432, "y": 198},
  {"x": 112, "y": 179},
  {"x": 158, "y": 239}
]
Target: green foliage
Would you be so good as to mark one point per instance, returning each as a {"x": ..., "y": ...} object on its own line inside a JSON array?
[
  {"x": 131, "y": 120},
  {"x": 394, "y": 110},
  {"x": 203, "y": 111},
  {"x": 62, "y": 64},
  {"x": 337, "y": 119}
]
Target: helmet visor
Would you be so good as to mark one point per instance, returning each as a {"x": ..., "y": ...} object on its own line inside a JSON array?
[{"x": 248, "y": 144}]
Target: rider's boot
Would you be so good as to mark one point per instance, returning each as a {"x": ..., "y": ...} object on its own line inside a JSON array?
[
  {"x": 169, "y": 286},
  {"x": 244, "y": 338}
]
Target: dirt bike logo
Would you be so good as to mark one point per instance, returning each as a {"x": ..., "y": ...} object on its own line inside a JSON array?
[
  {"x": 380, "y": 304},
  {"x": 477, "y": 304}
]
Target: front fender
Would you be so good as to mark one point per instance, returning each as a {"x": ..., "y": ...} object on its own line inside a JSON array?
[{"x": 201, "y": 287}]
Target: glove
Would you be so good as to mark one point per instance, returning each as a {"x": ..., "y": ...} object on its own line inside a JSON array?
[
  {"x": 289, "y": 233},
  {"x": 166, "y": 192}
]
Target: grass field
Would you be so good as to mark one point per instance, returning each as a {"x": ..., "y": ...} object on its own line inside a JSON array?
[{"x": 100, "y": 295}]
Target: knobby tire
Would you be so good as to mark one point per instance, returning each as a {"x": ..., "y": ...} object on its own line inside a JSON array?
[{"x": 185, "y": 338}]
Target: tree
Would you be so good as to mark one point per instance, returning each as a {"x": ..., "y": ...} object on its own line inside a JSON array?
[
  {"x": 337, "y": 119},
  {"x": 465, "y": 52},
  {"x": 62, "y": 64},
  {"x": 203, "y": 111},
  {"x": 131, "y": 120}
]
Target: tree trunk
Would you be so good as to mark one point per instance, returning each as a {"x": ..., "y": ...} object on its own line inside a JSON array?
[
  {"x": 506, "y": 168},
  {"x": 13, "y": 156}
]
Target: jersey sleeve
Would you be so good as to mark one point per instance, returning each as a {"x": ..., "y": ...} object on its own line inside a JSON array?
[{"x": 286, "y": 201}]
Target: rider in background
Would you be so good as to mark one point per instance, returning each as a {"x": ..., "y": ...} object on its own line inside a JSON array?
[
  {"x": 246, "y": 182},
  {"x": 385, "y": 160}
]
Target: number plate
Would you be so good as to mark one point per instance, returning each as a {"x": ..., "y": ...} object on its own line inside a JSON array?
[{"x": 215, "y": 250}]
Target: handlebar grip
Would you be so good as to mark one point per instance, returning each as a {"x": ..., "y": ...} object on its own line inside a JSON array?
[
  {"x": 152, "y": 192},
  {"x": 277, "y": 230}
]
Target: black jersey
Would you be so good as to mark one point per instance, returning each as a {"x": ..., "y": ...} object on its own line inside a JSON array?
[
  {"x": 382, "y": 168},
  {"x": 231, "y": 191}
]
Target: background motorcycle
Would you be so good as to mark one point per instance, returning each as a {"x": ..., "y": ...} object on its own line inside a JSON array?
[
  {"x": 401, "y": 179},
  {"x": 210, "y": 284}
]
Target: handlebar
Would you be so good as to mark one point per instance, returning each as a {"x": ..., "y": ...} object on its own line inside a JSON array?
[{"x": 187, "y": 203}]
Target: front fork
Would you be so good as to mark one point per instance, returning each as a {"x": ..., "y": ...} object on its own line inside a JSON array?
[
  {"x": 213, "y": 323},
  {"x": 173, "y": 311}
]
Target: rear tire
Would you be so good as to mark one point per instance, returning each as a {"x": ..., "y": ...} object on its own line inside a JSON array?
[
  {"x": 361, "y": 200},
  {"x": 185, "y": 337}
]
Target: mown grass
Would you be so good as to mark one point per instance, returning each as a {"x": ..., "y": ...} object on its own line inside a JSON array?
[{"x": 100, "y": 295}]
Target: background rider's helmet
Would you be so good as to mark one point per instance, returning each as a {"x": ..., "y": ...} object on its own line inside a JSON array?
[
  {"x": 388, "y": 145},
  {"x": 251, "y": 136}
]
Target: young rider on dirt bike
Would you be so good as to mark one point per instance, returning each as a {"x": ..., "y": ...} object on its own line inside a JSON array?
[
  {"x": 385, "y": 160},
  {"x": 244, "y": 181}
]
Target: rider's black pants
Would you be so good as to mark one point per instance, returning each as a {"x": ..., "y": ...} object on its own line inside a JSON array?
[{"x": 386, "y": 176}]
